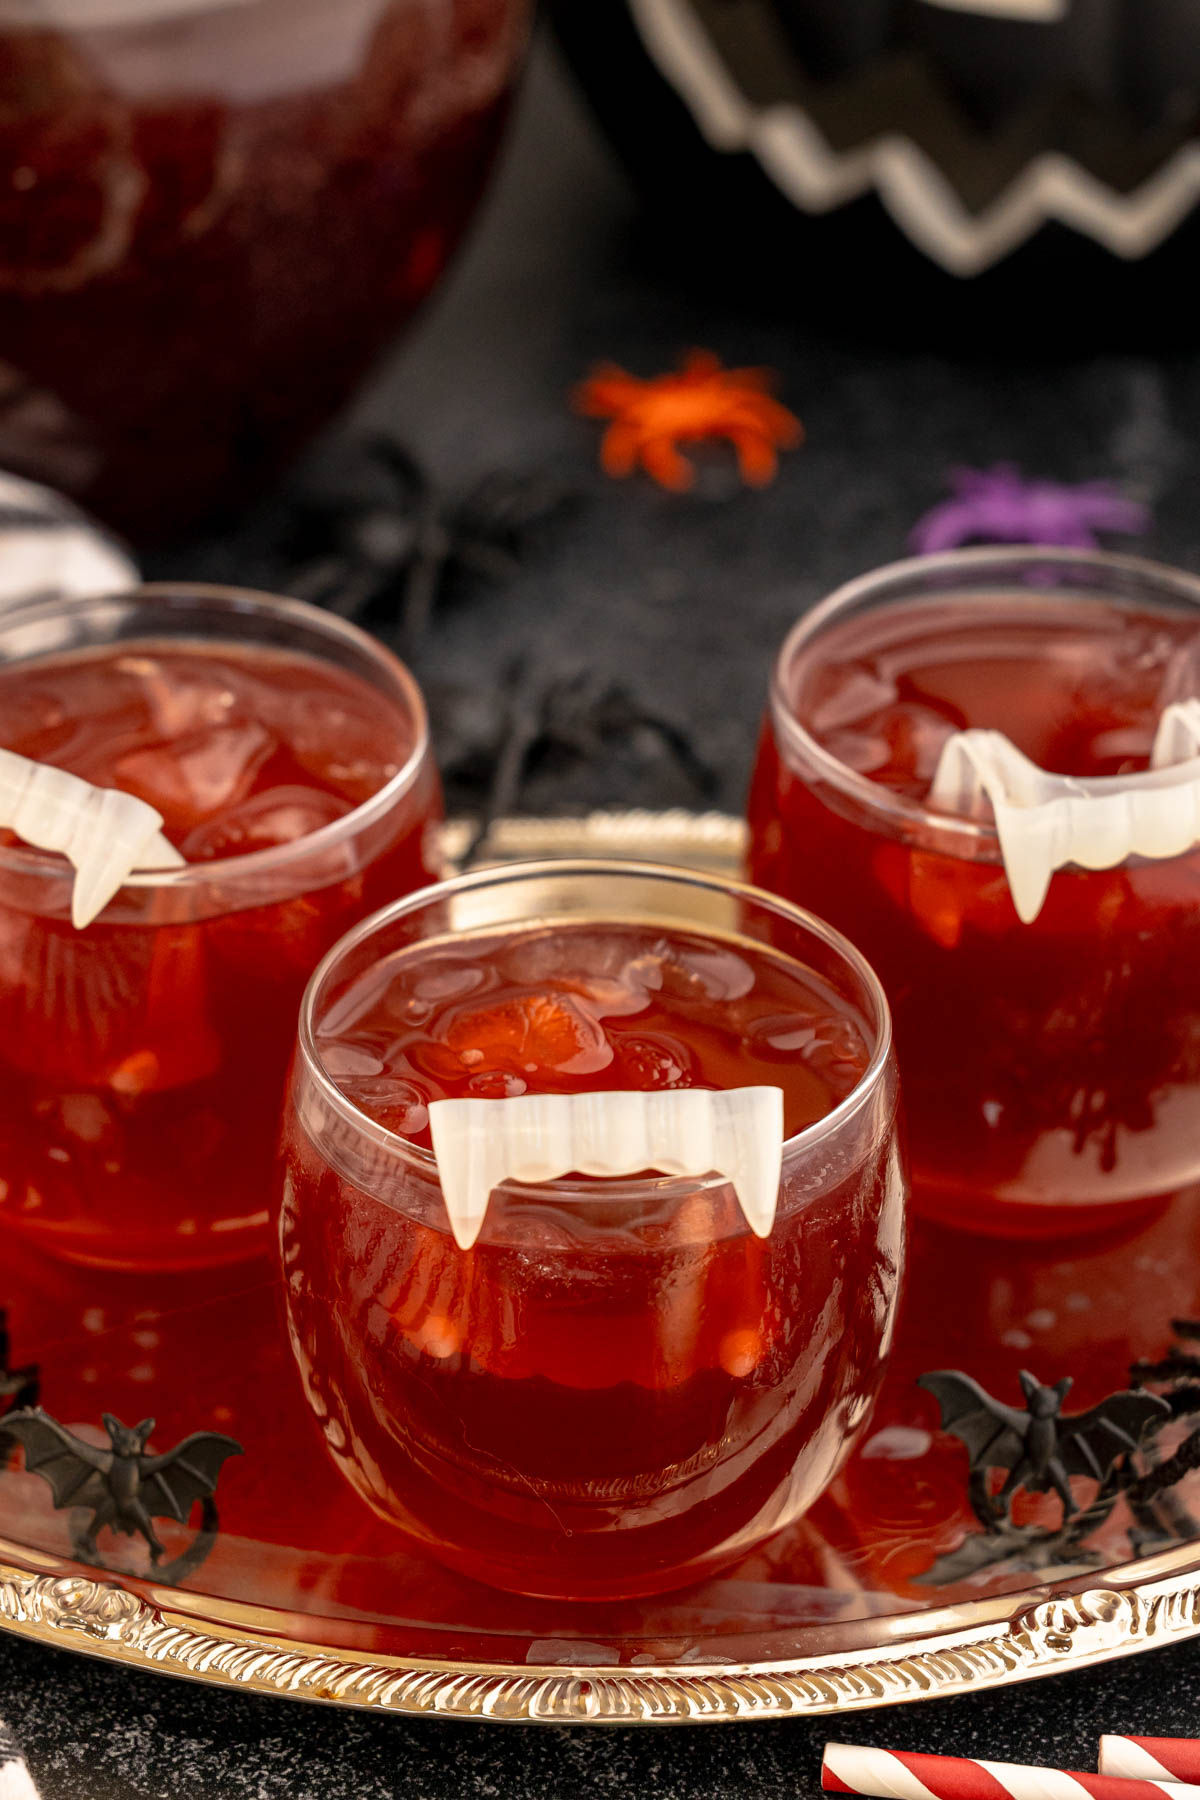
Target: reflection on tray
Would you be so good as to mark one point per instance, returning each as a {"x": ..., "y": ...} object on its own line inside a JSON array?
[{"x": 896, "y": 1536}]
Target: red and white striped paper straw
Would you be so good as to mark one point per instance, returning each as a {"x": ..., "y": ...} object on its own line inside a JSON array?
[
  {"x": 905, "y": 1775},
  {"x": 1151, "y": 1759},
  {"x": 16, "y": 1783}
]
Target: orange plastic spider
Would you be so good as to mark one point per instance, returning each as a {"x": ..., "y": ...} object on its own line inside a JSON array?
[{"x": 703, "y": 400}]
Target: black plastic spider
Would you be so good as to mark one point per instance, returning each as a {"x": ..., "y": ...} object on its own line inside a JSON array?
[
  {"x": 555, "y": 718},
  {"x": 396, "y": 557}
]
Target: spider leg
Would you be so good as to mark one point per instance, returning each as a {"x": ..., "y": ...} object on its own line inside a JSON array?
[
  {"x": 619, "y": 449},
  {"x": 1107, "y": 511},
  {"x": 662, "y": 461},
  {"x": 1076, "y": 535},
  {"x": 420, "y": 589},
  {"x": 944, "y": 527},
  {"x": 1184, "y": 1400},
  {"x": 489, "y": 560},
  {"x": 315, "y": 580},
  {"x": 785, "y": 427},
  {"x": 1178, "y": 1363},
  {"x": 761, "y": 380},
  {"x": 607, "y": 389},
  {"x": 677, "y": 741},
  {"x": 526, "y": 723},
  {"x": 352, "y": 594},
  {"x": 756, "y": 458},
  {"x": 699, "y": 365},
  {"x": 758, "y": 413},
  {"x": 401, "y": 465}
]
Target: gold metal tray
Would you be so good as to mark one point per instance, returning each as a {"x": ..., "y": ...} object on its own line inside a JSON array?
[{"x": 840, "y": 1613}]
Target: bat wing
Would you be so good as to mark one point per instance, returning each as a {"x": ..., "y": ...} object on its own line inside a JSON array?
[
  {"x": 993, "y": 1433},
  {"x": 172, "y": 1483},
  {"x": 77, "y": 1472},
  {"x": 1090, "y": 1443}
]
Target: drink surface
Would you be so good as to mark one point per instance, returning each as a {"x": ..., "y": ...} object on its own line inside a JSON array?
[
  {"x": 1050, "y": 1069},
  {"x": 619, "y": 1385},
  {"x": 240, "y": 749},
  {"x": 575, "y": 1010},
  {"x": 143, "y": 1059},
  {"x": 1079, "y": 688}
]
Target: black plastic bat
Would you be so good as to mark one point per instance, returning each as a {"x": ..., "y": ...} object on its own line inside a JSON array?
[
  {"x": 126, "y": 1489},
  {"x": 1040, "y": 1448}
]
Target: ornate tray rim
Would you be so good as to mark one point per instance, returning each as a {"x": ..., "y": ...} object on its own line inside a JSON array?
[
  {"x": 1039, "y": 1632},
  {"x": 985, "y": 1643}
]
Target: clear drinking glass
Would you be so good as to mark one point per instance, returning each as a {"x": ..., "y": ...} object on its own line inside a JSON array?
[
  {"x": 142, "y": 1060},
  {"x": 619, "y": 1386},
  {"x": 1051, "y": 1067}
]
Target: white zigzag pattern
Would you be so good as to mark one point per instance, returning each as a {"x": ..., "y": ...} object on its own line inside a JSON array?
[{"x": 817, "y": 178}]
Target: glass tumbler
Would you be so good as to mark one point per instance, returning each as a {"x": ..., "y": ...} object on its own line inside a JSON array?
[
  {"x": 1051, "y": 1064},
  {"x": 620, "y": 1385},
  {"x": 142, "y": 1059}
]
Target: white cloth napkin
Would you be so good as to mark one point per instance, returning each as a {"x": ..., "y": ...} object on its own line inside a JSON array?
[{"x": 48, "y": 547}]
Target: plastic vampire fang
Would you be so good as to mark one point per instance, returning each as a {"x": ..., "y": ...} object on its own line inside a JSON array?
[
  {"x": 1044, "y": 822},
  {"x": 125, "y": 1488},
  {"x": 1041, "y": 1448},
  {"x": 538, "y": 1137},
  {"x": 650, "y": 419},
  {"x": 106, "y": 834}
]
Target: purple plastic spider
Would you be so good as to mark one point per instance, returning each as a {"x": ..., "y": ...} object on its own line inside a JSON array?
[{"x": 1000, "y": 506}]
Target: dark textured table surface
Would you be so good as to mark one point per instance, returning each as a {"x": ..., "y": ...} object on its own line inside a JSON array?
[{"x": 677, "y": 603}]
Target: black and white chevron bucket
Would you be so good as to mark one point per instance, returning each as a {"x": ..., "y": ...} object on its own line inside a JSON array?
[{"x": 976, "y": 124}]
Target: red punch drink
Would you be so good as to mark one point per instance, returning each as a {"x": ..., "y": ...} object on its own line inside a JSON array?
[
  {"x": 621, "y": 1384},
  {"x": 142, "y": 1059},
  {"x": 1051, "y": 1065},
  {"x": 214, "y": 216}
]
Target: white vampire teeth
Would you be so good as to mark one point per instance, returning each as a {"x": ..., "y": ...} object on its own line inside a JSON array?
[
  {"x": 539, "y": 1137},
  {"x": 1177, "y": 739},
  {"x": 1046, "y": 821},
  {"x": 104, "y": 833}
]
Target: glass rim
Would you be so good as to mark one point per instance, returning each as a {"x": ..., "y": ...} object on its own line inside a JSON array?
[
  {"x": 884, "y": 803},
  {"x": 395, "y": 1144},
  {"x": 238, "y": 601}
]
